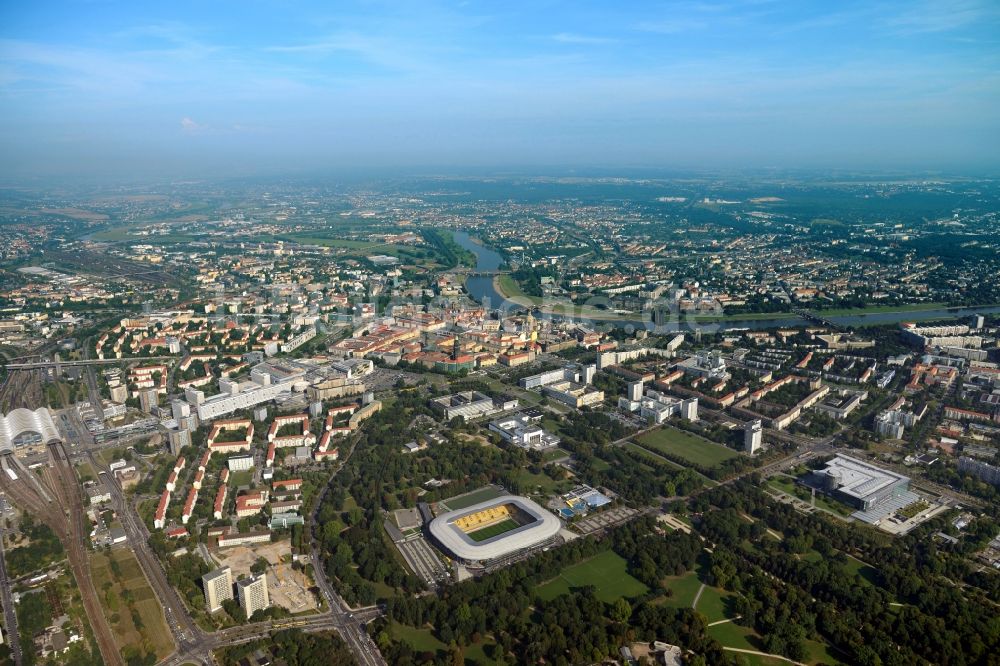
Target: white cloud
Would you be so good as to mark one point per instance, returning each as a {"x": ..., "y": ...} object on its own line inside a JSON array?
[
  {"x": 573, "y": 38},
  {"x": 189, "y": 126}
]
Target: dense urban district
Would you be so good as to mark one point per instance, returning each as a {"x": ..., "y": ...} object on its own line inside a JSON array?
[{"x": 502, "y": 420}]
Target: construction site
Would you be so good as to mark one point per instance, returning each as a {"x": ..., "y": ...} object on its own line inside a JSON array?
[{"x": 286, "y": 587}]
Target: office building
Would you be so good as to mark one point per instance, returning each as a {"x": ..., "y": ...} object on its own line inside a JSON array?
[{"x": 218, "y": 586}]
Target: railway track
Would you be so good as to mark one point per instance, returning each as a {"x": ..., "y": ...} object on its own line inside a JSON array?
[
  {"x": 63, "y": 513},
  {"x": 67, "y": 490}
]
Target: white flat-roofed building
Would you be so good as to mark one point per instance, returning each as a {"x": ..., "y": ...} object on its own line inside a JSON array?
[
  {"x": 705, "y": 364},
  {"x": 520, "y": 431},
  {"x": 657, "y": 407},
  {"x": 353, "y": 367},
  {"x": 267, "y": 382},
  {"x": 579, "y": 374},
  {"x": 239, "y": 463}
]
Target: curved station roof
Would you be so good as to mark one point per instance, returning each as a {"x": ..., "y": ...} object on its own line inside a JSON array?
[{"x": 22, "y": 421}]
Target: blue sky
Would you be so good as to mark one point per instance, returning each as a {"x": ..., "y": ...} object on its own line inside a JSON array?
[{"x": 196, "y": 88}]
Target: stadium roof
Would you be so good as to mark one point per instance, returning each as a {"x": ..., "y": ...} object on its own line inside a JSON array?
[
  {"x": 21, "y": 421},
  {"x": 545, "y": 526}
]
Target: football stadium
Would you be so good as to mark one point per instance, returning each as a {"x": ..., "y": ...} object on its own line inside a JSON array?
[{"x": 494, "y": 531}]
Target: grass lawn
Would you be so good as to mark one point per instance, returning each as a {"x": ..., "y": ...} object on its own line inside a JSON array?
[
  {"x": 646, "y": 454},
  {"x": 734, "y": 635},
  {"x": 868, "y": 573},
  {"x": 493, "y": 530},
  {"x": 684, "y": 445},
  {"x": 474, "y": 497},
  {"x": 820, "y": 653},
  {"x": 684, "y": 588},
  {"x": 476, "y": 655},
  {"x": 153, "y": 634},
  {"x": 788, "y": 486},
  {"x": 511, "y": 289},
  {"x": 600, "y": 465},
  {"x": 532, "y": 483},
  {"x": 85, "y": 471},
  {"x": 606, "y": 572},
  {"x": 237, "y": 479},
  {"x": 712, "y": 603},
  {"x": 421, "y": 640},
  {"x": 554, "y": 454}
]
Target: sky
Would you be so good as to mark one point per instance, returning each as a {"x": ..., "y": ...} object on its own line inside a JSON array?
[{"x": 211, "y": 87}]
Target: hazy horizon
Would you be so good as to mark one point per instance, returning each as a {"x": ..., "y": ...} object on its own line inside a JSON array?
[{"x": 113, "y": 90}]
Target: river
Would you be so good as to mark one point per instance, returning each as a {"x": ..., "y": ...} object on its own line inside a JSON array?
[{"x": 481, "y": 289}]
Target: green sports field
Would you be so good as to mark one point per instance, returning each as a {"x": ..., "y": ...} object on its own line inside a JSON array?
[
  {"x": 684, "y": 445},
  {"x": 468, "y": 499},
  {"x": 493, "y": 530}
]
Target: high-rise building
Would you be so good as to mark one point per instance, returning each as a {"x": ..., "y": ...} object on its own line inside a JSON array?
[
  {"x": 180, "y": 409},
  {"x": 178, "y": 440},
  {"x": 218, "y": 586},
  {"x": 753, "y": 436},
  {"x": 119, "y": 393},
  {"x": 252, "y": 593},
  {"x": 148, "y": 399},
  {"x": 635, "y": 391}
]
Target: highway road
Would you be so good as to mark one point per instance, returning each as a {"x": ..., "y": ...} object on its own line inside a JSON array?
[{"x": 10, "y": 616}]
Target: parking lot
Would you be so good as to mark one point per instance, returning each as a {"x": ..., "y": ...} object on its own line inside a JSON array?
[
  {"x": 424, "y": 561},
  {"x": 605, "y": 520}
]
